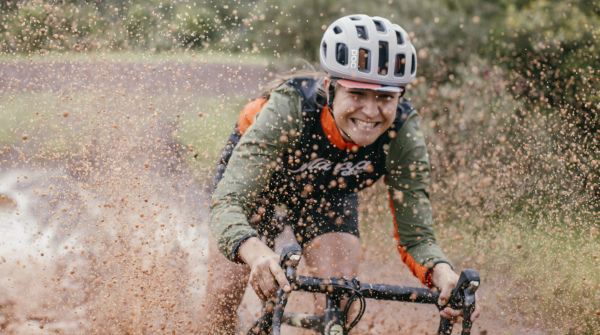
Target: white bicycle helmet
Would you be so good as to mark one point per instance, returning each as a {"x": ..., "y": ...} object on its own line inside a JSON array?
[{"x": 370, "y": 50}]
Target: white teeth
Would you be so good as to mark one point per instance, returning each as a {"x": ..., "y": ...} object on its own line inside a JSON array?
[{"x": 364, "y": 124}]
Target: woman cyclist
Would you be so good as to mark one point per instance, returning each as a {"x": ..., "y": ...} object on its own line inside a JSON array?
[{"x": 312, "y": 144}]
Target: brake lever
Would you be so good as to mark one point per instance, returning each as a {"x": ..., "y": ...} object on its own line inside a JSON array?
[
  {"x": 469, "y": 300},
  {"x": 462, "y": 297},
  {"x": 270, "y": 321},
  {"x": 289, "y": 260}
]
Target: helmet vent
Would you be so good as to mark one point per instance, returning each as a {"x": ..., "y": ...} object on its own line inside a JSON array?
[
  {"x": 325, "y": 50},
  {"x": 379, "y": 26},
  {"x": 400, "y": 65},
  {"x": 337, "y": 30},
  {"x": 399, "y": 38},
  {"x": 362, "y": 33},
  {"x": 383, "y": 58},
  {"x": 355, "y": 18},
  {"x": 364, "y": 64},
  {"x": 413, "y": 64},
  {"x": 341, "y": 53}
]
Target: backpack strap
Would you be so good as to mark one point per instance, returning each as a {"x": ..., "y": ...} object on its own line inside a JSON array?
[{"x": 247, "y": 115}]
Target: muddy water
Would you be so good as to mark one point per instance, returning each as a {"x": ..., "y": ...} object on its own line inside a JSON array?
[{"x": 114, "y": 245}]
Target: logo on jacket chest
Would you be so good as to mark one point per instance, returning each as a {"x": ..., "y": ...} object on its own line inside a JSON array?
[{"x": 346, "y": 168}]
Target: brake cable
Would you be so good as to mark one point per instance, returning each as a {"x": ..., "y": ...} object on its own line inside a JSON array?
[
  {"x": 363, "y": 306},
  {"x": 356, "y": 295}
]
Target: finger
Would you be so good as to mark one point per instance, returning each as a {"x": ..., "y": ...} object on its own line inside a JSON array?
[
  {"x": 265, "y": 288},
  {"x": 453, "y": 312},
  {"x": 445, "y": 295},
  {"x": 257, "y": 290},
  {"x": 448, "y": 313},
  {"x": 270, "y": 285},
  {"x": 280, "y": 277},
  {"x": 445, "y": 315},
  {"x": 476, "y": 313}
]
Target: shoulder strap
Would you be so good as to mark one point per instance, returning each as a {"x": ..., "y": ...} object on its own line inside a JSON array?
[
  {"x": 402, "y": 112},
  {"x": 247, "y": 115},
  {"x": 307, "y": 88}
]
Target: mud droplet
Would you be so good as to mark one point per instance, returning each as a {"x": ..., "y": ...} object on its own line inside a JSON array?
[{"x": 25, "y": 137}]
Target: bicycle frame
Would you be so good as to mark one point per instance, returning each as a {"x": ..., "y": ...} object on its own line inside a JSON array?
[{"x": 333, "y": 320}]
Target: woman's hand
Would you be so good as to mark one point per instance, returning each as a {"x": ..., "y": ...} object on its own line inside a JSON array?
[
  {"x": 265, "y": 273},
  {"x": 446, "y": 280}
]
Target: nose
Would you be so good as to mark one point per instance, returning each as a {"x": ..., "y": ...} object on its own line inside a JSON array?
[{"x": 370, "y": 108}]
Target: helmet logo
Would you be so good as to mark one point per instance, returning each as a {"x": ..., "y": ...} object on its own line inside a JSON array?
[{"x": 353, "y": 59}]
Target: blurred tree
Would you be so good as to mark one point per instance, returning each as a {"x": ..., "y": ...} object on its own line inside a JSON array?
[
  {"x": 444, "y": 32},
  {"x": 550, "y": 48}
]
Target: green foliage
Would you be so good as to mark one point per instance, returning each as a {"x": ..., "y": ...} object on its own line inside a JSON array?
[
  {"x": 549, "y": 49},
  {"x": 447, "y": 31},
  {"x": 109, "y": 25}
]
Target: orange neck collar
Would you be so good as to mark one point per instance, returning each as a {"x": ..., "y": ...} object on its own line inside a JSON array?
[{"x": 332, "y": 132}]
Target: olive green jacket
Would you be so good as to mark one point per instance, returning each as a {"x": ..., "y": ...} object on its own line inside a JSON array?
[{"x": 255, "y": 158}]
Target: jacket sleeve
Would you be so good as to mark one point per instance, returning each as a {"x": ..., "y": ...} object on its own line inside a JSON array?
[
  {"x": 275, "y": 129},
  {"x": 407, "y": 180}
]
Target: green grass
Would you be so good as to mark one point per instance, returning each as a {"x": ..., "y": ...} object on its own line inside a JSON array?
[
  {"x": 40, "y": 116},
  {"x": 542, "y": 275},
  {"x": 208, "y": 134}
]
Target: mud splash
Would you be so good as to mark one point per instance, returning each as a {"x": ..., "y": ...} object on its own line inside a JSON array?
[{"x": 102, "y": 221}]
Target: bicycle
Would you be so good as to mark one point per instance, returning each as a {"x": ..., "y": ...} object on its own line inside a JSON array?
[{"x": 333, "y": 321}]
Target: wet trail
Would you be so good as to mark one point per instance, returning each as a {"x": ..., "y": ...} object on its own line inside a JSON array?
[
  {"x": 103, "y": 241},
  {"x": 110, "y": 237}
]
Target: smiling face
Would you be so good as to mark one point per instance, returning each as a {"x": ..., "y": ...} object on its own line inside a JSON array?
[{"x": 364, "y": 114}]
